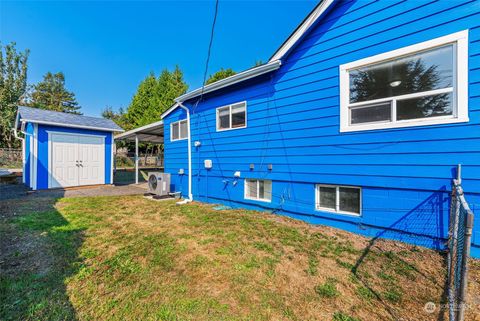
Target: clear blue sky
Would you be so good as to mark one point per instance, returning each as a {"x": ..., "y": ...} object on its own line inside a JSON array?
[{"x": 106, "y": 48}]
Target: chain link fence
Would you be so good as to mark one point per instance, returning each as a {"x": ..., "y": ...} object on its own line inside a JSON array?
[
  {"x": 10, "y": 158},
  {"x": 459, "y": 241},
  {"x": 124, "y": 166}
]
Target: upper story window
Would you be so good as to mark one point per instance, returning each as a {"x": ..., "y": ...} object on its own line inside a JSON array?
[
  {"x": 232, "y": 116},
  {"x": 423, "y": 84},
  {"x": 179, "y": 130}
]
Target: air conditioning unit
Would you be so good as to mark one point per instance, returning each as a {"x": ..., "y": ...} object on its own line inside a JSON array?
[{"x": 159, "y": 183}]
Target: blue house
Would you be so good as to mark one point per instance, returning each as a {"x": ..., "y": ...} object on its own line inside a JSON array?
[
  {"x": 358, "y": 121},
  {"x": 63, "y": 150}
]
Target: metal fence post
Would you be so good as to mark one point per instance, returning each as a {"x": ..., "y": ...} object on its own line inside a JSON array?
[
  {"x": 464, "y": 281},
  {"x": 459, "y": 242}
]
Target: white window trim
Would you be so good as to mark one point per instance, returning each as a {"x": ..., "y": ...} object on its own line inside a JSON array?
[
  {"x": 258, "y": 190},
  {"x": 179, "y": 131},
  {"x": 337, "y": 200},
  {"x": 460, "y": 95},
  {"x": 230, "y": 115}
]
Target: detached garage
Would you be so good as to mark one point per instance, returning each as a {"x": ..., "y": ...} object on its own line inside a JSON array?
[{"x": 64, "y": 150}]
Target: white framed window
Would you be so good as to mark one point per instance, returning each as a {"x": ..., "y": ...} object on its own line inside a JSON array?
[
  {"x": 422, "y": 84},
  {"x": 232, "y": 116},
  {"x": 338, "y": 199},
  {"x": 178, "y": 130},
  {"x": 258, "y": 190}
]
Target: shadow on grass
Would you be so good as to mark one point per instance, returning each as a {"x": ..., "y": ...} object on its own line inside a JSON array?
[
  {"x": 419, "y": 226},
  {"x": 40, "y": 252}
]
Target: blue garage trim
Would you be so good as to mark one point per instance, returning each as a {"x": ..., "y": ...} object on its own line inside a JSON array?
[{"x": 43, "y": 166}]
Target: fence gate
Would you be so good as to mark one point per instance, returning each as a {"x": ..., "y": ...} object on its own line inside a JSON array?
[{"x": 459, "y": 240}]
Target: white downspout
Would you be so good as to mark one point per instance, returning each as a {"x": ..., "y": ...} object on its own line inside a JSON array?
[
  {"x": 190, "y": 195},
  {"x": 15, "y": 134}
]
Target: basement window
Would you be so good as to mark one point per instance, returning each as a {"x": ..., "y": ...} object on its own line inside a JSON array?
[
  {"x": 338, "y": 199},
  {"x": 178, "y": 130},
  {"x": 233, "y": 116},
  {"x": 423, "y": 84},
  {"x": 258, "y": 190}
]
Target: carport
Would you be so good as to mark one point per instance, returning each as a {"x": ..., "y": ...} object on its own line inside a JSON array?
[{"x": 151, "y": 133}]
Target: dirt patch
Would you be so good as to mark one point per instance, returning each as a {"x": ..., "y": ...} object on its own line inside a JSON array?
[
  {"x": 24, "y": 252},
  {"x": 18, "y": 207},
  {"x": 140, "y": 259}
]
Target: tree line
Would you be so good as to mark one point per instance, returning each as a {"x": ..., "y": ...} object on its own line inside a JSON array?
[
  {"x": 154, "y": 95},
  {"x": 50, "y": 93}
]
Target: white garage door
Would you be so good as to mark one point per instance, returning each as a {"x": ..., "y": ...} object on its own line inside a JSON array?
[{"x": 76, "y": 160}]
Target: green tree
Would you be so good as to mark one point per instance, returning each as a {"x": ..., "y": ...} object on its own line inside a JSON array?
[
  {"x": 13, "y": 84},
  {"x": 153, "y": 97},
  {"x": 117, "y": 116},
  {"x": 221, "y": 74},
  {"x": 51, "y": 94}
]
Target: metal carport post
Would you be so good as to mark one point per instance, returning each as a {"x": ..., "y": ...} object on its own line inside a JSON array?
[
  {"x": 151, "y": 133},
  {"x": 136, "y": 159}
]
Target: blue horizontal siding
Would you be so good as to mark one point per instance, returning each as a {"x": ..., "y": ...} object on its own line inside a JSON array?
[{"x": 293, "y": 124}]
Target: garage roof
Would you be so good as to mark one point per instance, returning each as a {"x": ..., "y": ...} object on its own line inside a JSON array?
[
  {"x": 55, "y": 118},
  {"x": 151, "y": 133}
]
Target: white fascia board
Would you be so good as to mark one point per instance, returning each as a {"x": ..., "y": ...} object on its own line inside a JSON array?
[
  {"x": 169, "y": 110},
  {"x": 139, "y": 129},
  {"x": 70, "y": 125},
  {"x": 244, "y": 75},
  {"x": 300, "y": 31}
]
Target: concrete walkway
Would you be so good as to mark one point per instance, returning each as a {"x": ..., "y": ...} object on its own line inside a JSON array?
[{"x": 19, "y": 191}]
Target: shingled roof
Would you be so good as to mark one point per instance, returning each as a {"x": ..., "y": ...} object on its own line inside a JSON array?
[{"x": 55, "y": 118}]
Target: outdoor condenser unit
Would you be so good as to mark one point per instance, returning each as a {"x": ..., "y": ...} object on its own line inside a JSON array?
[{"x": 159, "y": 183}]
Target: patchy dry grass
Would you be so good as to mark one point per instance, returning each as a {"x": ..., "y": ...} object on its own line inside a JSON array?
[{"x": 130, "y": 258}]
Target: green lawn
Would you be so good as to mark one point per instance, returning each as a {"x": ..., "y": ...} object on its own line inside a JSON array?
[{"x": 130, "y": 258}]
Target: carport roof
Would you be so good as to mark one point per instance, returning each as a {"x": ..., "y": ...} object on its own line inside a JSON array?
[{"x": 151, "y": 133}]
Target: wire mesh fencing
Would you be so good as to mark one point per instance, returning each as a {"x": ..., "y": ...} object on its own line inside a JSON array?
[
  {"x": 11, "y": 158},
  {"x": 459, "y": 240}
]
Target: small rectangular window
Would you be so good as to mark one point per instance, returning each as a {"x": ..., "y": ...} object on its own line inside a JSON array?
[
  {"x": 339, "y": 199},
  {"x": 179, "y": 130},
  {"x": 422, "y": 84},
  {"x": 259, "y": 190},
  {"x": 223, "y": 118},
  {"x": 232, "y": 116}
]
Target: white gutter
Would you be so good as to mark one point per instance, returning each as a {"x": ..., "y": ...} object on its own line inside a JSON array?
[
  {"x": 15, "y": 134},
  {"x": 33, "y": 121},
  {"x": 190, "y": 195},
  {"x": 244, "y": 75}
]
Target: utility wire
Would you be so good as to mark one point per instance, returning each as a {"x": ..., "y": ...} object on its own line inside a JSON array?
[{"x": 212, "y": 33}]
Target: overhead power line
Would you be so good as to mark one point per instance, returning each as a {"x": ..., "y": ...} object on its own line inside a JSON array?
[{"x": 212, "y": 33}]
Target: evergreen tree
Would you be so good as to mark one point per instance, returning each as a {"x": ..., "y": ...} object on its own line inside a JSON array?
[
  {"x": 153, "y": 97},
  {"x": 221, "y": 74},
  {"x": 13, "y": 84},
  {"x": 51, "y": 94},
  {"x": 117, "y": 117}
]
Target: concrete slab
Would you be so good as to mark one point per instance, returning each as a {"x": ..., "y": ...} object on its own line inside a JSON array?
[{"x": 19, "y": 191}]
